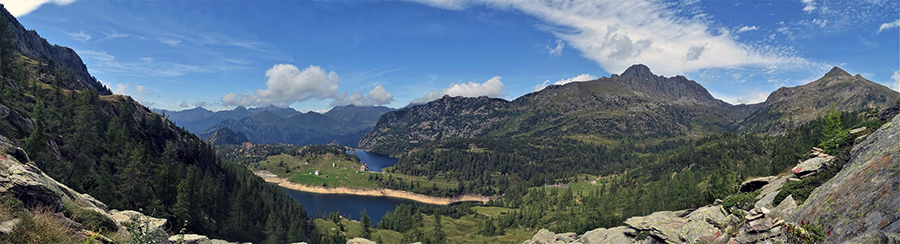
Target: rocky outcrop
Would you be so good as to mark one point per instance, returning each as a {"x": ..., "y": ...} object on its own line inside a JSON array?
[
  {"x": 817, "y": 162},
  {"x": 28, "y": 183},
  {"x": 862, "y": 198},
  {"x": 858, "y": 205}
]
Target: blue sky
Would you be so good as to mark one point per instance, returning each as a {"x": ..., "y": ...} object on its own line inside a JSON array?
[{"x": 313, "y": 55}]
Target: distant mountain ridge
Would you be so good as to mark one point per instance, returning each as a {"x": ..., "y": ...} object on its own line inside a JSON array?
[
  {"x": 343, "y": 125},
  {"x": 796, "y": 105},
  {"x": 635, "y": 105}
]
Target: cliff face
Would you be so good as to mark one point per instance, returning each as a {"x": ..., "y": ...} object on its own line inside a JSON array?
[
  {"x": 863, "y": 200},
  {"x": 32, "y": 45}
]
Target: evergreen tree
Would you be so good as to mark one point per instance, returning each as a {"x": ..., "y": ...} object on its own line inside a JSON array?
[{"x": 367, "y": 223}]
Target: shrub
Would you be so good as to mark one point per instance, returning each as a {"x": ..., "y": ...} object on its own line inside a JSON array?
[
  {"x": 740, "y": 199},
  {"x": 800, "y": 190},
  {"x": 91, "y": 220}
]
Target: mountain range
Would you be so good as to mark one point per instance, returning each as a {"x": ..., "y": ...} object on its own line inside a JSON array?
[
  {"x": 343, "y": 125},
  {"x": 636, "y": 105}
]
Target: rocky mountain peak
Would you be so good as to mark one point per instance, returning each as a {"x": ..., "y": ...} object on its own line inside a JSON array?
[
  {"x": 836, "y": 72},
  {"x": 224, "y": 135},
  {"x": 638, "y": 71}
]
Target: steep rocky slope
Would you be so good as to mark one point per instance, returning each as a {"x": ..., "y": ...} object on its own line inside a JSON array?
[
  {"x": 863, "y": 200},
  {"x": 32, "y": 45},
  {"x": 448, "y": 117},
  {"x": 858, "y": 205},
  {"x": 800, "y": 104}
]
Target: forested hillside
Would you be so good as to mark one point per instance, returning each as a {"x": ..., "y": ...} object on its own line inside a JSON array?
[{"x": 128, "y": 157}]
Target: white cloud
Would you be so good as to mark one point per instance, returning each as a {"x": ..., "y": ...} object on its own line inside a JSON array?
[
  {"x": 286, "y": 85},
  {"x": 889, "y": 25},
  {"x": 491, "y": 88},
  {"x": 555, "y": 51},
  {"x": 139, "y": 89},
  {"x": 581, "y": 77},
  {"x": 104, "y": 62},
  {"x": 746, "y": 29},
  {"x": 80, "y": 36},
  {"x": 199, "y": 103},
  {"x": 183, "y": 104},
  {"x": 896, "y": 78},
  {"x": 170, "y": 42},
  {"x": 20, "y": 8},
  {"x": 809, "y": 6},
  {"x": 380, "y": 95},
  {"x": 752, "y": 98},
  {"x": 376, "y": 96},
  {"x": 114, "y": 35},
  {"x": 617, "y": 34},
  {"x": 120, "y": 89}
]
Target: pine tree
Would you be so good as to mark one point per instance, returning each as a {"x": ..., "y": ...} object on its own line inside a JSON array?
[
  {"x": 367, "y": 223},
  {"x": 833, "y": 135}
]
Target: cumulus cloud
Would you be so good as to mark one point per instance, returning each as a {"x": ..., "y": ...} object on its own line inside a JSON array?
[
  {"x": 183, "y": 104},
  {"x": 581, "y": 77},
  {"x": 286, "y": 85},
  {"x": 380, "y": 96},
  {"x": 199, "y": 103},
  {"x": 491, "y": 88},
  {"x": 896, "y": 78},
  {"x": 616, "y": 34},
  {"x": 555, "y": 51},
  {"x": 746, "y": 29},
  {"x": 20, "y": 8},
  {"x": 376, "y": 96},
  {"x": 889, "y": 25}
]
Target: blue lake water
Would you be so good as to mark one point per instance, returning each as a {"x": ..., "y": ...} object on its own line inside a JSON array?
[
  {"x": 376, "y": 162},
  {"x": 346, "y": 204}
]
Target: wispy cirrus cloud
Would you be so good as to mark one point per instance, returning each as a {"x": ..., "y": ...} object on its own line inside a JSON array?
[
  {"x": 672, "y": 38},
  {"x": 746, "y": 29},
  {"x": 889, "y": 25},
  {"x": 104, "y": 62},
  {"x": 80, "y": 36}
]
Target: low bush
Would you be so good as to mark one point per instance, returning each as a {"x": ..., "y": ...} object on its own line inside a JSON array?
[
  {"x": 90, "y": 219},
  {"x": 740, "y": 200}
]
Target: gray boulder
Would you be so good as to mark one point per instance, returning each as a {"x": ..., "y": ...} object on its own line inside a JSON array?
[
  {"x": 812, "y": 165},
  {"x": 621, "y": 234},
  {"x": 190, "y": 239}
]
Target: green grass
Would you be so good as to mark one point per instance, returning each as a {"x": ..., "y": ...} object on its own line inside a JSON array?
[
  {"x": 462, "y": 230},
  {"x": 339, "y": 172},
  {"x": 490, "y": 211}
]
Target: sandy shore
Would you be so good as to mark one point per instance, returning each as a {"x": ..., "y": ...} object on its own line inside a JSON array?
[{"x": 377, "y": 192}]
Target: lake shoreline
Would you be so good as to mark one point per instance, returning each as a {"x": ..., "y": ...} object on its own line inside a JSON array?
[{"x": 375, "y": 192}]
